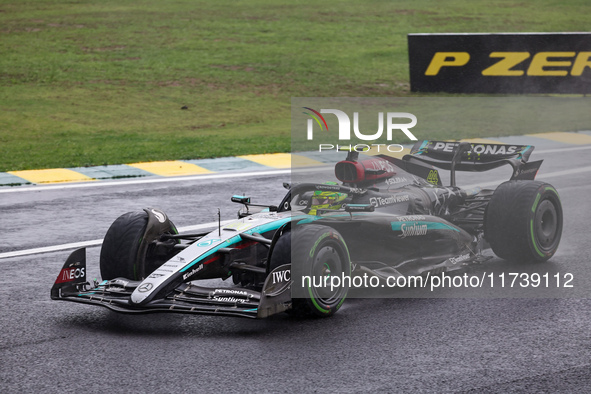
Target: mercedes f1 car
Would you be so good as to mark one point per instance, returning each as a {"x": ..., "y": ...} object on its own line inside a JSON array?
[{"x": 387, "y": 217}]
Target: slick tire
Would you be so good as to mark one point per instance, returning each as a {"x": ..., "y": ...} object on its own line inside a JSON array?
[
  {"x": 314, "y": 251},
  {"x": 121, "y": 248},
  {"x": 523, "y": 221}
]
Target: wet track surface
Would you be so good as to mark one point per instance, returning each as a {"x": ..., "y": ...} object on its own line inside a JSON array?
[{"x": 389, "y": 345}]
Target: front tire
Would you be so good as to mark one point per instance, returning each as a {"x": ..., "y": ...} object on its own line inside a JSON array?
[
  {"x": 317, "y": 252},
  {"x": 124, "y": 253},
  {"x": 523, "y": 221}
]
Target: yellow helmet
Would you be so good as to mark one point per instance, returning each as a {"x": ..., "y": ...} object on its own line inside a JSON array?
[{"x": 326, "y": 200}]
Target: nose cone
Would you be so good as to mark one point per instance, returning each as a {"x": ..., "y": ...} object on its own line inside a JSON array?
[{"x": 141, "y": 293}]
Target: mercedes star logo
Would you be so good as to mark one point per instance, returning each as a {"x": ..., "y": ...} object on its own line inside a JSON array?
[{"x": 144, "y": 287}]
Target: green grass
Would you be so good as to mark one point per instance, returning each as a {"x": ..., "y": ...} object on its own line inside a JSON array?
[{"x": 103, "y": 82}]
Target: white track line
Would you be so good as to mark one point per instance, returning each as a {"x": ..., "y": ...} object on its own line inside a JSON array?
[
  {"x": 16, "y": 189},
  {"x": 98, "y": 242},
  {"x": 144, "y": 181},
  {"x": 556, "y": 150},
  {"x": 94, "y": 242}
]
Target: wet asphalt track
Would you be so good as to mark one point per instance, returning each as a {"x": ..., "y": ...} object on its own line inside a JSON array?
[{"x": 386, "y": 345}]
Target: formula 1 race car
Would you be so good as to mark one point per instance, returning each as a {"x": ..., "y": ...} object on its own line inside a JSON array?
[{"x": 387, "y": 217}]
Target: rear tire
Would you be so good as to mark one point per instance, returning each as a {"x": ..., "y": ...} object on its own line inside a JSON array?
[
  {"x": 315, "y": 251},
  {"x": 523, "y": 221},
  {"x": 119, "y": 252}
]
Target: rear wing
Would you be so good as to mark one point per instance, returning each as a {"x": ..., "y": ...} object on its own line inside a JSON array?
[{"x": 463, "y": 156}]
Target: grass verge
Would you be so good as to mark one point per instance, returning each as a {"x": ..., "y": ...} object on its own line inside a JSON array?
[{"x": 91, "y": 83}]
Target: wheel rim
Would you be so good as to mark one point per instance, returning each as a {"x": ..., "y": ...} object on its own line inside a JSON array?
[
  {"x": 327, "y": 263},
  {"x": 546, "y": 225}
]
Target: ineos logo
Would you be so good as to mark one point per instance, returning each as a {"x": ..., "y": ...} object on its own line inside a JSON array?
[{"x": 144, "y": 287}]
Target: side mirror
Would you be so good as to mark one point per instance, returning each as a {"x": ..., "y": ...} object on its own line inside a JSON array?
[{"x": 240, "y": 199}]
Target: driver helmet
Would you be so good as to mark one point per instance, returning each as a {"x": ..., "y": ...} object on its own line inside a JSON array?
[{"x": 326, "y": 200}]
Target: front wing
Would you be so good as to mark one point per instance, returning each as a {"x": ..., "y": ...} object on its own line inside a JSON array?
[{"x": 71, "y": 285}]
